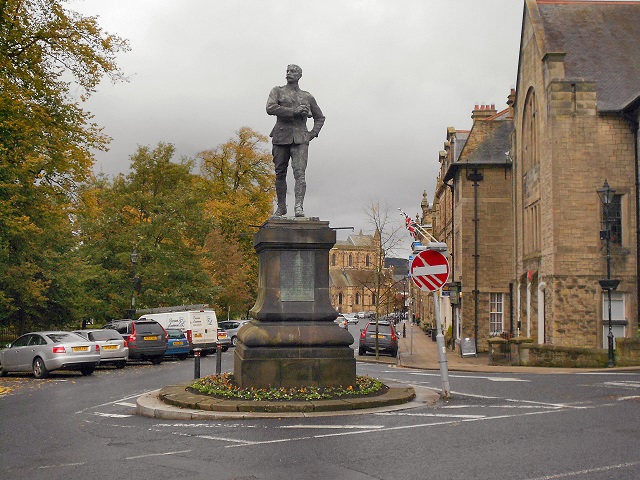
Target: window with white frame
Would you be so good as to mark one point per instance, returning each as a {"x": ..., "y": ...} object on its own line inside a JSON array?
[{"x": 496, "y": 313}]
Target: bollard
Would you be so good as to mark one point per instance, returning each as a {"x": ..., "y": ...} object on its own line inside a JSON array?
[
  {"x": 404, "y": 330},
  {"x": 218, "y": 359},
  {"x": 196, "y": 363}
]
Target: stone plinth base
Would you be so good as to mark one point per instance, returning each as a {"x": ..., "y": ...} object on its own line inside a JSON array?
[
  {"x": 294, "y": 354},
  {"x": 293, "y": 341}
]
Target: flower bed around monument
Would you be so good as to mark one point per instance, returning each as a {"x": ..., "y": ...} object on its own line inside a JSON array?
[{"x": 224, "y": 386}]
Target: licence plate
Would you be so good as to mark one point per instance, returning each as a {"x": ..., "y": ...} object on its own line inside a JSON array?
[
  {"x": 151, "y": 337},
  {"x": 222, "y": 335},
  {"x": 110, "y": 347},
  {"x": 177, "y": 343},
  {"x": 374, "y": 336},
  {"x": 198, "y": 335},
  {"x": 80, "y": 349}
]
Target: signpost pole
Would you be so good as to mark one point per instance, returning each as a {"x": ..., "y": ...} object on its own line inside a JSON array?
[{"x": 442, "y": 353}]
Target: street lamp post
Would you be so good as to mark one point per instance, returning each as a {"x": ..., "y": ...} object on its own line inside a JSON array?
[
  {"x": 606, "y": 194},
  {"x": 134, "y": 262}
]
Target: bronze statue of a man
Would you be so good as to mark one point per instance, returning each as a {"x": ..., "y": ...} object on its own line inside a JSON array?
[{"x": 292, "y": 106}]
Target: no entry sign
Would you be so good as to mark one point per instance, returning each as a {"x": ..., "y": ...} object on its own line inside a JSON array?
[{"x": 429, "y": 270}]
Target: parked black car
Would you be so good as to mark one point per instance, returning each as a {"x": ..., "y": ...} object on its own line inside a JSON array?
[
  {"x": 147, "y": 340},
  {"x": 387, "y": 338}
]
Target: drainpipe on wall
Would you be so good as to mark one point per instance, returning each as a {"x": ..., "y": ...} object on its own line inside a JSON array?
[
  {"x": 633, "y": 124},
  {"x": 475, "y": 176},
  {"x": 453, "y": 266}
]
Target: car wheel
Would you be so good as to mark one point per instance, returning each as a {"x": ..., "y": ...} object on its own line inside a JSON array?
[
  {"x": 121, "y": 364},
  {"x": 156, "y": 360},
  {"x": 234, "y": 341},
  {"x": 86, "y": 371},
  {"x": 39, "y": 368},
  {"x": 361, "y": 351},
  {"x": 394, "y": 353},
  {"x": 224, "y": 349},
  {"x": 3, "y": 372},
  {"x": 182, "y": 356}
]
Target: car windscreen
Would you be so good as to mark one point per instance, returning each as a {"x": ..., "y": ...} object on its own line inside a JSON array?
[
  {"x": 149, "y": 327},
  {"x": 64, "y": 337},
  {"x": 383, "y": 328},
  {"x": 175, "y": 333},
  {"x": 104, "y": 335}
]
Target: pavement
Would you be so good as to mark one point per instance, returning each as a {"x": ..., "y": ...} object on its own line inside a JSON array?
[{"x": 416, "y": 350}]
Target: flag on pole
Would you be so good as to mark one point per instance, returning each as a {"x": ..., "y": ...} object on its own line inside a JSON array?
[{"x": 411, "y": 226}]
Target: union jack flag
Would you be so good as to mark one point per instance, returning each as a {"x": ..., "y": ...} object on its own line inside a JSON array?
[{"x": 411, "y": 225}]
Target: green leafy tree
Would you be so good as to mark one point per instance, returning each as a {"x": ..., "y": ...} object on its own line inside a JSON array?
[
  {"x": 240, "y": 176},
  {"x": 51, "y": 59},
  {"x": 158, "y": 210}
]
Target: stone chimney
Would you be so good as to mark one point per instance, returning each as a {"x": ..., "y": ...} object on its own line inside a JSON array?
[
  {"x": 481, "y": 112},
  {"x": 511, "y": 100}
]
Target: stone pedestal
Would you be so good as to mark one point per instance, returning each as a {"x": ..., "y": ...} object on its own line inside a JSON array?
[{"x": 293, "y": 340}]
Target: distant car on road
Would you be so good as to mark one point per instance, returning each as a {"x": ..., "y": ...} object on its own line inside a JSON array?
[
  {"x": 223, "y": 339},
  {"x": 232, "y": 327},
  {"x": 351, "y": 318},
  {"x": 387, "y": 339},
  {"x": 341, "y": 321},
  {"x": 147, "y": 339},
  {"x": 113, "y": 346},
  {"x": 178, "y": 344},
  {"x": 43, "y": 352}
]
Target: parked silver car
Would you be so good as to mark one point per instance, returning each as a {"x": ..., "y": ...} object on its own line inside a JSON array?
[
  {"x": 43, "y": 352},
  {"x": 232, "y": 327},
  {"x": 113, "y": 346}
]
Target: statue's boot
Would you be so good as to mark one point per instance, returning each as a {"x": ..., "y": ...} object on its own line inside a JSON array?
[
  {"x": 298, "y": 208},
  {"x": 281, "y": 194}
]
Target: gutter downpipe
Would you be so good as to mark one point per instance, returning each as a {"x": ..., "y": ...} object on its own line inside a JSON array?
[
  {"x": 453, "y": 265},
  {"x": 475, "y": 176}
]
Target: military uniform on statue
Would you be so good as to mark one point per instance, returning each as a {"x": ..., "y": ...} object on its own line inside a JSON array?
[{"x": 292, "y": 106}]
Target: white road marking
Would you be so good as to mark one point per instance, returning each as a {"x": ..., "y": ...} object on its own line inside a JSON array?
[
  {"x": 114, "y": 402},
  {"x": 126, "y": 404},
  {"x": 112, "y": 415},
  {"x": 630, "y": 397},
  {"x": 156, "y": 454},
  {"x": 336, "y": 427},
  {"x": 398, "y": 428},
  {"x": 623, "y": 384},
  {"x": 587, "y": 471},
  {"x": 439, "y": 415},
  {"x": 63, "y": 465},
  {"x": 477, "y": 377}
]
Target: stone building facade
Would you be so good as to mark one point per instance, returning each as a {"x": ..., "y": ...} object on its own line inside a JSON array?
[
  {"x": 352, "y": 263},
  {"x": 576, "y": 125},
  {"x": 473, "y": 216},
  {"x": 520, "y": 209}
]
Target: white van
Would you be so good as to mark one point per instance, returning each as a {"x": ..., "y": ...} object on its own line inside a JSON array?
[{"x": 200, "y": 326}]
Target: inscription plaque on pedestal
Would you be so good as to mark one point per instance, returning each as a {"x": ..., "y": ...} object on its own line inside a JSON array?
[{"x": 297, "y": 276}]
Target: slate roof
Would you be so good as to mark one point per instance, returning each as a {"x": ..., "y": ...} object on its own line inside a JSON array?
[
  {"x": 601, "y": 40},
  {"x": 491, "y": 151}
]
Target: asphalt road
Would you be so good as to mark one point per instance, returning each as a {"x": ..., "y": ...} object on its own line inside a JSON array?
[{"x": 527, "y": 427}]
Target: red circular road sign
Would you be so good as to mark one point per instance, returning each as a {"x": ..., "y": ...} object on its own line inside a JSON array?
[{"x": 429, "y": 270}]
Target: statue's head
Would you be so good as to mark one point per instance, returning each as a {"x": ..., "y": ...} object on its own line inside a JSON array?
[{"x": 294, "y": 72}]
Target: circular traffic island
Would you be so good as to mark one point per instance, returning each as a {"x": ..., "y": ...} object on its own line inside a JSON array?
[{"x": 218, "y": 396}]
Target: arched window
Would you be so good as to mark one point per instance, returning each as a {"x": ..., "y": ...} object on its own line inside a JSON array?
[
  {"x": 531, "y": 216},
  {"x": 373, "y": 299},
  {"x": 340, "y": 298},
  {"x": 333, "y": 260},
  {"x": 351, "y": 261},
  {"x": 367, "y": 261},
  {"x": 357, "y": 299}
]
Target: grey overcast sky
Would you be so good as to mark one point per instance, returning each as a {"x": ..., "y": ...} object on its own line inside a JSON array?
[{"x": 389, "y": 75}]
